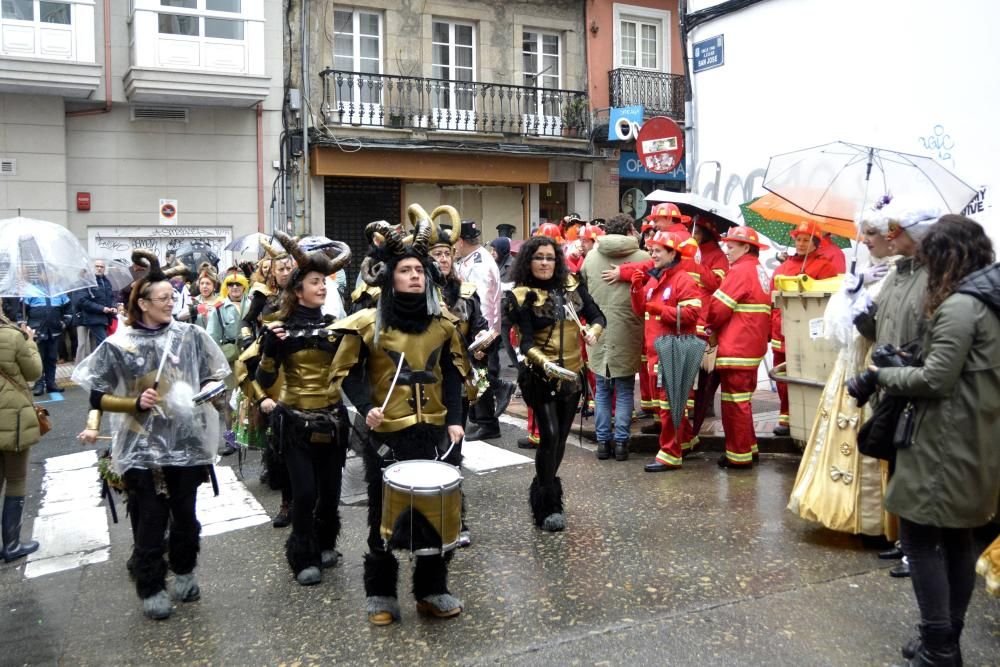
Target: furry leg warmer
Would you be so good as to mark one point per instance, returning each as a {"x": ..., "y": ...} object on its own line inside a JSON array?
[
  {"x": 150, "y": 572},
  {"x": 545, "y": 500},
  {"x": 301, "y": 552},
  {"x": 183, "y": 547},
  {"x": 381, "y": 574}
]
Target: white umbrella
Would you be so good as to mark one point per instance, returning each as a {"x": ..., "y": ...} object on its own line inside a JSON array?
[
  {"x": 39, "y": 258},
  {"x": 696, "y": 201}
]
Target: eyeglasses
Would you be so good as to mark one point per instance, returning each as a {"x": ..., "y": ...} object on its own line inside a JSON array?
[
  {"x": 170, "y": 298},
  {"x": 543, "y": 258}
]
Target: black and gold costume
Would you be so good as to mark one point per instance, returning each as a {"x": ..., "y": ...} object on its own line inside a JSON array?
[
  {"x": 550, "y": 377},
  {"x": 426, "y": 400},
  {"x": 309, "y": 421}
]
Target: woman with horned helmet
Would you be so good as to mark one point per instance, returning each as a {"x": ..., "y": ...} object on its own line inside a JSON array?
[
  {"x": 546, "y": 307},
  {"x": 300, "y": 344},
  {"x": 459, "y": 299},
  {"x": 257, "y": 404},
  {"x": 147, "y": 374},
  {"x": 402, "y": 365}
]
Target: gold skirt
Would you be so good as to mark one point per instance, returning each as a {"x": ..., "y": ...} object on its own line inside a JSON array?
[{"x": 836, "y": 486}]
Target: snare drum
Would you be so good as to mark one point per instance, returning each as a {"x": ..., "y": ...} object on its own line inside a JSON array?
[{"x": 432, "y": 488}]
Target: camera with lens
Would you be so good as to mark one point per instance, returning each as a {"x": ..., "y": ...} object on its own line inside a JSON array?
[{"x": 890, "y": 356}]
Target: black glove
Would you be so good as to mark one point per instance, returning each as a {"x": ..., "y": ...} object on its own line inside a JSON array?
[
  {"x": 888, "y": 356},
  {"x": 269, "y": 343},
  {"x": 862, "y": 386}
]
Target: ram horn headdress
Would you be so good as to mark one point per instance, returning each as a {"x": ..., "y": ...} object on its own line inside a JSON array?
[
  {"x": 439, "y": 235},
  {"x": 316, "y": 260},
  {"x": 271, "y": 251},
  {"x": 155, "y": 272}
]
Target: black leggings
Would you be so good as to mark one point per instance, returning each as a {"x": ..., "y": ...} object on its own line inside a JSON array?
[
  {"x": 554, "y": 420},
  {"x": 942, "y": 569}
]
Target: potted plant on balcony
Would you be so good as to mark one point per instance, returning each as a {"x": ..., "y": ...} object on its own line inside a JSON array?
[{"x": 575, "y": 116}]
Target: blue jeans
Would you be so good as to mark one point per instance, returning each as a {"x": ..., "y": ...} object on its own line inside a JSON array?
[{"x": 624, "y": 390}]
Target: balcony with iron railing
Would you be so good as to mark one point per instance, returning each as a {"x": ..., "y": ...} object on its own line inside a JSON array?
[
  {"x": 418, "y": 103},
  {"x": 660, "y": 94}
]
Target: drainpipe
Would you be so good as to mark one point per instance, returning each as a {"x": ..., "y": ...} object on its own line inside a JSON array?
[
  {"x": 307, "y": 109},
  {"x": 260, "y": 167},
  {"x": 107, "y": 68}
]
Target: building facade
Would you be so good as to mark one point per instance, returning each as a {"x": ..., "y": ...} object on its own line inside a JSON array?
[
  {"x": 142, "y": 123},
  {"x": 635, "y": 57},
  {"x": 479, "y": 105}
]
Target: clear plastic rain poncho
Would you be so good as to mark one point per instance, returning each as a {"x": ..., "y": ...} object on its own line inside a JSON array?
[{"x": 176, "y": 432}]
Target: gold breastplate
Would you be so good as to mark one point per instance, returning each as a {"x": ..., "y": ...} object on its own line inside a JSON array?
[
  {"x": 308, "y": 380},
  {"x": 418, "y": 395}
]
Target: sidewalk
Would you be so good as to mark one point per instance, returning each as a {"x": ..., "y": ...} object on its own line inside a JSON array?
[{"x": 765, "y": 412}]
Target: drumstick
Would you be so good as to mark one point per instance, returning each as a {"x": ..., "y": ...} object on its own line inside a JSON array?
[
  {"x": 163, "y": 359},
  {"x": 573, "y": 316},
  {"x": 402, "y": 356}
]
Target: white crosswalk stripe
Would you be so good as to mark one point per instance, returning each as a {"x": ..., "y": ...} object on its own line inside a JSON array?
[
  {"x": 480, "y": 457},
  {"x": 72, "y": 523}
]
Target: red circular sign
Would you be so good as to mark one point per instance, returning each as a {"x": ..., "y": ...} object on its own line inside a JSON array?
[
  {"x": 660, "y": 145},
  {"x": 168, "y": 211}
]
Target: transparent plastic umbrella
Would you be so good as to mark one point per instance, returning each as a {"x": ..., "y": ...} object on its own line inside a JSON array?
[
  {"x": 39, "y": 258},
  {"x": 119, "y": 274}
]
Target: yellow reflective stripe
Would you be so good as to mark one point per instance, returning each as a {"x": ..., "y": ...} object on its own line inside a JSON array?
[
  {"x": 725, "y": 298},
  {"x": 697, "y": 278},
  {"x": 647, "y": 317},
  {"x": 663, "y": 405},
  {"x": 740, "y": 458},
  {"x": 643, "y": 403},
  {"x": 740, "y": 397},
  {"x": 753, "y": 308},
  {"x": 532, "y": 438},
  {"x": 700, "y": 328},
  {"x": 669, "y": 460},
  {"x": 694, "y": 441},
  {"x": 719, "y": 272},
  {"x": 690, "y": 302},
  {"x": 738, "y": 362},
  {"x": 753, "y": 449}
]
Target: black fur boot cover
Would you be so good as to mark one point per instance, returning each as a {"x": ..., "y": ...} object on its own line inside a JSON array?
[
  {"x": 150, "y": 572},
  {"x": 301, "y": 552},
  {"x": 381, "y": 574}
]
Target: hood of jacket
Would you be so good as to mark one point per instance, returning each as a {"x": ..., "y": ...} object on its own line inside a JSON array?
[
  {"x": 617, "y": 245},
  {"x": 983, "y": 284}
]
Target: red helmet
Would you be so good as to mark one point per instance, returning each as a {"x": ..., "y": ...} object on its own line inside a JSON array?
[
  {"x": 647, "y": 225},
  {"x": 744, "y": 235},
  {"x": 688, "y": 248},
  {"x": 810, "y": 227},
  {"x": 551, "y": 230},
  {"x": 667, "y": 240},
  {"x": 591, "y": 232},
  {"x": 668, "y": 210}
]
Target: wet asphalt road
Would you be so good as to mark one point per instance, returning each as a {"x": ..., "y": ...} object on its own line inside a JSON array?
[{"x": 694, "y": 567}]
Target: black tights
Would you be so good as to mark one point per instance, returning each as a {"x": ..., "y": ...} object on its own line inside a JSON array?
[
  {"x": 942, "y": 569},
  {"x": 554, "y": 420}
]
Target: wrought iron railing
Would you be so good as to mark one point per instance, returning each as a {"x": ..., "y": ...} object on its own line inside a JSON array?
[
  {"x": 661, "y": 94},
  {"x": 384, "y": 100}
]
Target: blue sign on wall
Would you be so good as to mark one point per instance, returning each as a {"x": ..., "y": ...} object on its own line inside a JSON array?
[
  {"x": 709, "y": 53},
  {"x": 633, "y": 113},
  {"x": 630, "y": 167}
]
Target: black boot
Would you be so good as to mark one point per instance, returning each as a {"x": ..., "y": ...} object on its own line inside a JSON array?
[
  {"x": 937, "y": 648},
  {"x": 39, "y": 388},
  {"x": 603, "y": 450},
  {"x": 13, "y": 547},
  {"x": 621, "y": 450}
]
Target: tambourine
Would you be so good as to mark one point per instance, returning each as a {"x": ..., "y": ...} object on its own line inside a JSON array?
[
  {"x": 209, "y": 391},
  {"x": 482, "y": 341}
]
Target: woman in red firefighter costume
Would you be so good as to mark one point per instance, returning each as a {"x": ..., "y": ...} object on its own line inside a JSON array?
[
  {"x": 308, "y": 418},
  {"x": 408, "y": 337},
  {"x": 805, "y": 262},
  {"x": 712, "y": 259},
  {"x": 660, "y": 295},
  {"x": 265, "y": 300},
  {"x": 545, "y": 308},
  {"x": 739, "y": 319}
]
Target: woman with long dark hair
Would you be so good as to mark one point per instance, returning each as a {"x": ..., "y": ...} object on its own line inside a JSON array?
[
  {"x": 546, "y": 307},
  {"x": 947, "y": 477},
  {"x": 308, "y": 416}
]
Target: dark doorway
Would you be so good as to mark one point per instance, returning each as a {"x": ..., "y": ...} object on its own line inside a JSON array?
[{"x": 351, "y": 203}]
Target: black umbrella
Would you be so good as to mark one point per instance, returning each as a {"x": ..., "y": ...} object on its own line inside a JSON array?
[{"x": 195, "y": 253}]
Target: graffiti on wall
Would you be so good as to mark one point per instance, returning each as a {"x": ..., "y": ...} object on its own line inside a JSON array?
[
  {"x": 940, "y": 144},
  {"x": 118, "y": 242}
]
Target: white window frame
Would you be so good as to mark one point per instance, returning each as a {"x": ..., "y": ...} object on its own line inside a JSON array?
[
  {"x": 460, "y": 119},
  {"x": 661, "y": 17},
  {"x": 536, "y": 121},
  {"x": 356, "y": 111},
  {"x": 202, "y": 13},
  {"x": 35, "y": 26}
]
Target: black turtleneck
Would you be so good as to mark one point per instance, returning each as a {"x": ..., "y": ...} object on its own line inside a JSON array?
[
  {"x": 405, "y": 311},
  {"x": 304, "y": 315}
]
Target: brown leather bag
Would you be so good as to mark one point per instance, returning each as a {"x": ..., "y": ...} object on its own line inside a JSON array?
[{"x": 44, "y": 421}]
